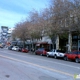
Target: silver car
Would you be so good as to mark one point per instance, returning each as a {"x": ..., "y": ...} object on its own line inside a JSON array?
[
  {"x": 55, "y": 53},
  {"x": 15, "y": 48}
]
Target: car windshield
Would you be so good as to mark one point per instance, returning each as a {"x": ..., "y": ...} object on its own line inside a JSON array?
[
  {"x": 60, "y": 51},
  {"x": 51, "y": 50},
  {"x": 79, "y": 52},
  {"x": 41, "y": 49}
]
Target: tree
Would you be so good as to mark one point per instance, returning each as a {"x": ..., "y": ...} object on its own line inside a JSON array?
[
  {"x": 60, "y": 18},
  {"x": 21, "y": 32},
  {"x": 35, "y": 27}
]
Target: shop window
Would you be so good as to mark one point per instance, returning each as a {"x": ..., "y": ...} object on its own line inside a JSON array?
[{"x": 75, "y": 37}]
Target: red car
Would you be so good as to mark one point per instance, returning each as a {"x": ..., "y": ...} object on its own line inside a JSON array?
[
  {"x": 25, "y": 50},
  {"x": 74, "y": 55},
  {"x": 41, "y": 51}
]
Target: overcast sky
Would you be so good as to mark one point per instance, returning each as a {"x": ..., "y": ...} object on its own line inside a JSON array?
[{"x": 13, "y": 11}]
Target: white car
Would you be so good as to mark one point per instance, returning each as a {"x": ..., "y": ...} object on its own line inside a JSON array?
[
  {"x": 55, "y": 53},
  {"x": 15, "y": 48}
]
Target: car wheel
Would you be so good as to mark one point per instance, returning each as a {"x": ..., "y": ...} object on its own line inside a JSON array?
[
  {"x": 55, "y": 56},
  {"x": 47, "y": 55},
  {"x": 77, "y": 60},
  {"x": 65, "y": 58},
  {"x": 41, "y": 54}
]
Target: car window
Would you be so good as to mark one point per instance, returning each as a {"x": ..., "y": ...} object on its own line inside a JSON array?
[
  {"x": 75, "y": 52},
  {"x": 40, "y": 49},
  {"x": 59, "y": 51},
  {"x": 70, "y": 52},
  {"x": 79, "y": 52},
  {"x": 51, "y": 50}
]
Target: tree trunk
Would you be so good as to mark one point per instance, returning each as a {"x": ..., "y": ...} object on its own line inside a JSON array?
[
  {"x": 69, "y": 41},
  {"x": 57, "y": 42}
]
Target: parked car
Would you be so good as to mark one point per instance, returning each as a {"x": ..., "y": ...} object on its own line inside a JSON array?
[
  {"x": 10, "y": 47},
  {"x": 55, "y": 53},
  {"x": 74, "y": 55},
  {"x": 25, "y": 50},
  {"x": 1, "y": 46},
  {"x": 41, "y": 51},
  {"x": 15, "y": 48}
]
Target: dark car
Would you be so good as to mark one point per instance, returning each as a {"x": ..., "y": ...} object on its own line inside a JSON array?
[
  {"x": 41, "y": 51},
  {"x": 10, "y": 47},
  {"x": 74, "y": 55}
]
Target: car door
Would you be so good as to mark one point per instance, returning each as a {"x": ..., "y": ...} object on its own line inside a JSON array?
[
  {"x": 75, "y": 53},
  {"x": 38, "y": 51},
  {"x": 69, "y": 55},
  {"x": 53, "y": 52},
  {"x": 13, "y": 48},
  {"x": 72, "y": 55},
  {"x": 41, "y": 51},
  {"x": 50, "y": 53}
]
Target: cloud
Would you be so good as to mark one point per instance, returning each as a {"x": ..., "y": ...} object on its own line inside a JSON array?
[
  {"x": 23, "y": 6},
  {"x": 13, "y": 11},
  {"x": 10, "y": 18}
]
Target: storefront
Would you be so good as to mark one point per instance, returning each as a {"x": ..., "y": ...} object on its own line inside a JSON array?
[
  {"x": 75, "y": 42},
  {"x": 45, "y": 45},
  {"x": 72, "y": 42}
]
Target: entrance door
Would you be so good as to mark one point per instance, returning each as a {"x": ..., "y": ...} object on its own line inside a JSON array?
[{"x": 78, "y": 44}]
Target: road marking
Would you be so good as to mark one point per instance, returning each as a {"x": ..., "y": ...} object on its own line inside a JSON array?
[
  {"x": 50, "y": 61},
  {"x": 47, "y": 68}
]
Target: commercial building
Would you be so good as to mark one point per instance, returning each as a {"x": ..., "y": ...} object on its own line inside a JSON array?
[{"x": 5, "y": 35}]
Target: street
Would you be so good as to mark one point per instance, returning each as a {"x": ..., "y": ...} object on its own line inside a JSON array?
[{"x": 28, "y": 66}]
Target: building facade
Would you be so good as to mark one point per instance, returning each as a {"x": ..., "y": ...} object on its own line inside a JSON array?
[{"x": 3, "y": 34}]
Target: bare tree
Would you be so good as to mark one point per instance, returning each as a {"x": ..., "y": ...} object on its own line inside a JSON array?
[
  {"x": 35, "y": 25},
  {"x": 21, "y": 32}
]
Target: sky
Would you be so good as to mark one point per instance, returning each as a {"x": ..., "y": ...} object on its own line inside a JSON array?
[{"x": 14, "y": 11}]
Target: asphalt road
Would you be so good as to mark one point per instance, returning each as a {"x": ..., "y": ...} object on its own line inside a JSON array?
[{"x": 28, "y": 66}]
